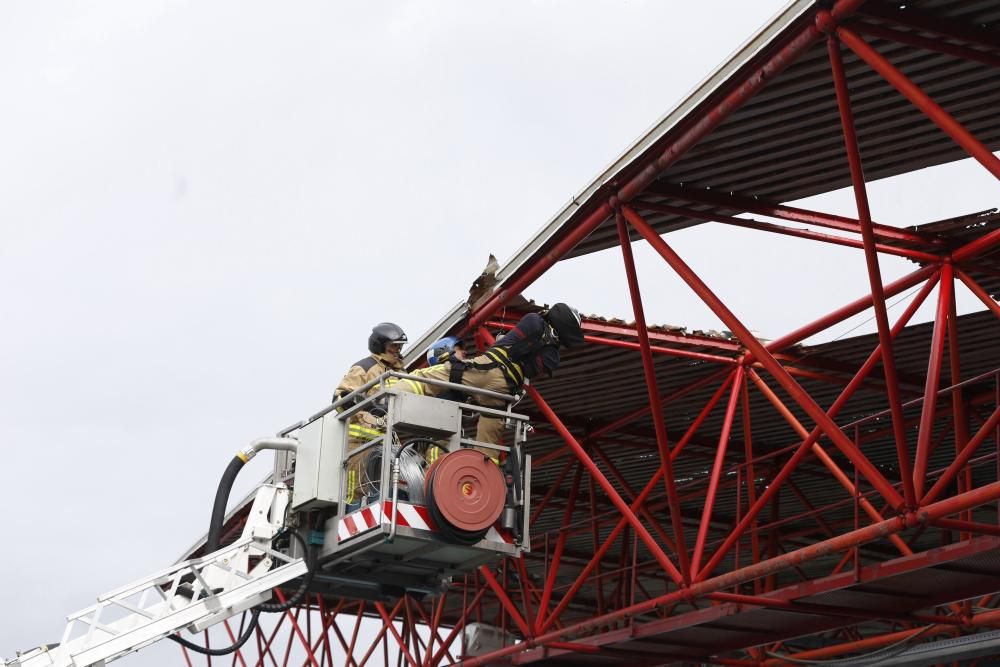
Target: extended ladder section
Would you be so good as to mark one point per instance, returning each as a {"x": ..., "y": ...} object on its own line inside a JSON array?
[{"x": 193, "y": 594}]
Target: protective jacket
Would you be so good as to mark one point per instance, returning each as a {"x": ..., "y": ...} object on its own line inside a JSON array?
[
  {"x": 525, "y": 351},
  {"x": 366, "y": 370}
]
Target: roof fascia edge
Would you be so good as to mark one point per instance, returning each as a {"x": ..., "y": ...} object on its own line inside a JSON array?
[{"x": 708, "y": 86}]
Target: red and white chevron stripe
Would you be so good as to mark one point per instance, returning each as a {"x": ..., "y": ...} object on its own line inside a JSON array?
[{"x": 413, "y": 516}]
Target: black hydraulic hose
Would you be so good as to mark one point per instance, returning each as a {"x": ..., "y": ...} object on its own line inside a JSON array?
[
  {"x": 310, "y": 558},
  {"x": 243, "y": 638},
  {"x": 212, "y": 543},
  {"x": 221, "y": 500}
]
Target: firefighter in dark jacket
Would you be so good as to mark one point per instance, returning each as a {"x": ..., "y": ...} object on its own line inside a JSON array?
[
  {"x": 526, "y": 351},
  {"x": 385, "y": 344}
]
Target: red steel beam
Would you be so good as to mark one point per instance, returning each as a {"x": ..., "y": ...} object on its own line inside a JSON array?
[
  {"x": 553, "y": 565},
  {"x": 638, "y": 502},
  {"x": 748, "y": 223},
  {"x": 297, "y": 630},
  {"x": 436, "y": 659},
  {"x": 831, "y": 610},
  {"x": 941, "y": 26},
  {"x": 620, "y": 478},
  {"x": 784, "y": 212},
  {"x": 985, "y": 619},
  {"x": 974, "y": 498},
  {"x": 713, "y": 483},
  {"x": 974, "y": 248},
  {"x": 609, "y": 490},
  {"x": 751, "y": 485},
  {"x": 848, "y": 310},
  {"x": 825, "y": 459},
  {"x": 505, "y": 601},
  {"x": 934, "y": 363},
  {"x": 967, "y": 526},
  {"x": 695, "y": 340},
  {"x": 653, "y": 390},
  {"x": 979, "y": 292},
  {"x": 798, "y": 394},
  {"x": 921, "y": 100},
  {"x": 927, "y": 43},
  {"x": 874, "y": 271},
  {"x": 963, "y": 457},
  {"x": 805, "y": 447},
  {"x": 628, "y": 345}
]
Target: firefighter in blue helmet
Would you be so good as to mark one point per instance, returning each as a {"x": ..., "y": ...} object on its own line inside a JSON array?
[
  {"x": 528, "y": 350},
  {"x": 385, "y": 345},
  {"x": 450, "y": 350}
]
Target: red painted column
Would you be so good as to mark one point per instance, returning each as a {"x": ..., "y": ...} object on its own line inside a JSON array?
[
  {"x": 652, "y": 389},
  {"x": 720, "y": 457},
  {"x": 550, "y": 580},
  {"x": 934, "y": 363},
  {"x": 874, "y": 272}
]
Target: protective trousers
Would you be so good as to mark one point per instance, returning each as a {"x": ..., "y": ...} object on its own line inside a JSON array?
[
  {"x": 490, "y": 429},
  {"x": 362, "y": 428}
]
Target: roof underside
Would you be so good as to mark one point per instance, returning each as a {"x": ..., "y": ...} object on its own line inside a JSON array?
[{"x": 785, "y": 144}]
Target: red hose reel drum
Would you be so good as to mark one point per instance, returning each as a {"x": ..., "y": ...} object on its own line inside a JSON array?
[{"x": 466, "y": 491}]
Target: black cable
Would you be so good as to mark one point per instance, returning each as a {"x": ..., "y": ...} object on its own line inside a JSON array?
[
  {"x": 221, "y": 651},
  {"x": 212, "y": 544},
  {"x": 310, "y": 558}
]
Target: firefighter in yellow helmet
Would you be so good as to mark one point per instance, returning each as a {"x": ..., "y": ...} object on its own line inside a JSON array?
[
  {"x": 531, "y": 348},
  {"x": 385, "y": 344}
]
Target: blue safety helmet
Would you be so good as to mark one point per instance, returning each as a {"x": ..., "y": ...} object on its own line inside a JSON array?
[{"x": 442, "y": 350}]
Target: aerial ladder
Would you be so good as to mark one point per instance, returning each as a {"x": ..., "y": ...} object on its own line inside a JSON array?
[{"x": 430, "y": 504}]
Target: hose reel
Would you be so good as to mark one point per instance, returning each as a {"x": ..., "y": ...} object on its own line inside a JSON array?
[{"x": 465, "y": 494}]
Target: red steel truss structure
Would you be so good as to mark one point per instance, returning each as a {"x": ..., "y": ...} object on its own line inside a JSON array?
[{"x": 719, "y": 499}]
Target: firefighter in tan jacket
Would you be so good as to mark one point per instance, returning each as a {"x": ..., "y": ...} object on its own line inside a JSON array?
[{"x": 385, "y": 344}]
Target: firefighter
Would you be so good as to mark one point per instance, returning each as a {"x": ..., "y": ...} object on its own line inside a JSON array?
[
  {"x": 385, "y": 344},
  {"x": 528, "y": 350},
  {"x": 449, "y": 349}
]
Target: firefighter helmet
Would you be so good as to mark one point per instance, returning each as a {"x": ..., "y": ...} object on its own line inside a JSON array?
[
  {"x": 566, "y": 321},
  {"x": 383, "y": 334},
  {"x": 443, "y": 350}
]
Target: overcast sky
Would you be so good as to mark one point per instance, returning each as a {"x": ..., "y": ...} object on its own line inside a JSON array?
[{"x": 205, "y": 206}]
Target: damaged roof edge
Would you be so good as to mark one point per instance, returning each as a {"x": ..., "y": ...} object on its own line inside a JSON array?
[{"x": 708, "y": 86}]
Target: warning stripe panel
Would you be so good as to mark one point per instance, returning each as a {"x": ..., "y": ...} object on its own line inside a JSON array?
[{"x": 411, "y": 516}]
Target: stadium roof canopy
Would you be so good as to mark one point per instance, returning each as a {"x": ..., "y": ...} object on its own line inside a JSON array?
[{"x": 841, "y": 542}]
